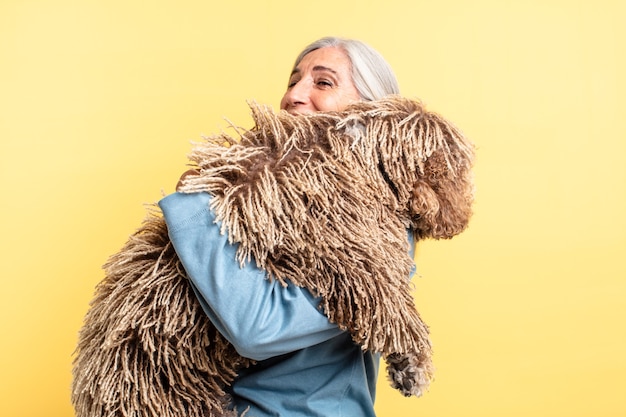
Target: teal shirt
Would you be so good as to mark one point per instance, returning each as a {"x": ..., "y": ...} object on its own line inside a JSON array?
[{"x": 306, "y": 365}]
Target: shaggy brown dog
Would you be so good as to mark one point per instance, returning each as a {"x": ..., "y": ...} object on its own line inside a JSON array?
[{"x": 322, "y": 201}]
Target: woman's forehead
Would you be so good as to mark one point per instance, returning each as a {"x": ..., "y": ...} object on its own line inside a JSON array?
[{"x": 330, "y": 58}]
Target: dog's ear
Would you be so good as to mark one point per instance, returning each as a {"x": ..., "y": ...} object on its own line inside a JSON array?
[
  {"x": 443, "y": 193},
  {"x": 441, "y": 206}
]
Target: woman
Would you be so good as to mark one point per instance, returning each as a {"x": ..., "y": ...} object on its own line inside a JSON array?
[{"x": 306, "y": 365}]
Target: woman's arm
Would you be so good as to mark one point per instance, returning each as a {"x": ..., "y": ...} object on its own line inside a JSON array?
[{"x": 259, "y": 317}]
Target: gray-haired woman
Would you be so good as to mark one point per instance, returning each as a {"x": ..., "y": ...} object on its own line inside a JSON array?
[{"x": 306, "y": 365}]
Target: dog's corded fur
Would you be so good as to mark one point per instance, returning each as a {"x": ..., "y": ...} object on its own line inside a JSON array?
[{"x": 322, "y": 201}]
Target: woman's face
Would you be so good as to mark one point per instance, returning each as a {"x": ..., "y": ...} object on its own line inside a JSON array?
[{"x": 322, "y": 81}]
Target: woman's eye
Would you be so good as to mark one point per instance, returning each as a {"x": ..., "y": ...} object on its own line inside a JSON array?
[
  {"x": 292, "y": 81},
  {"x": 325, "y": 83}
]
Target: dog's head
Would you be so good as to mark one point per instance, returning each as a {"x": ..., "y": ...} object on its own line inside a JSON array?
[{"x": 425, "y": 160}]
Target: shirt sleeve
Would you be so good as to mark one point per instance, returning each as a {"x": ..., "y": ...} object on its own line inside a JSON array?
[{"x": 260, "y": 317}]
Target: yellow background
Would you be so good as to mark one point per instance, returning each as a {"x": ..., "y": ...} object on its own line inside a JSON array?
[{"x": 100, "y": 100}]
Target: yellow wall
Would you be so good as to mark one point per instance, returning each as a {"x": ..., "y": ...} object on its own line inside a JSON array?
[{"x": 99, "y": 102}]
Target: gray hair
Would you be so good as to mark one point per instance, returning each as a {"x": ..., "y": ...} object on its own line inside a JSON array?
[{"x": 371, "y": 74}]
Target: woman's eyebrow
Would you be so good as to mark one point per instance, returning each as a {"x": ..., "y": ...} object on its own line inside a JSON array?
[
  {"x": 323, "y": 68},
  {"x": 315, "y": 68}
]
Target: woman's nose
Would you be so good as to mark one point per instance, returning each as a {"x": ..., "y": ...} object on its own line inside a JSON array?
[{"x": 299, "y": 93}]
